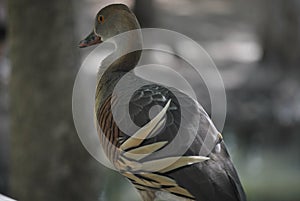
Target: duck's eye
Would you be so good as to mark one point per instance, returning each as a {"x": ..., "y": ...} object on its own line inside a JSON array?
[{"x": 100, "y": 19}]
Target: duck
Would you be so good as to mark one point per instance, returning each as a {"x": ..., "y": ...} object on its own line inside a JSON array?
[{"x": 137, "y": 153}]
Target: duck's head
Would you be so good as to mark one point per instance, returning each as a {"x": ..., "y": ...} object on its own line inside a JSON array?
[{"x": 109, "y": 22}]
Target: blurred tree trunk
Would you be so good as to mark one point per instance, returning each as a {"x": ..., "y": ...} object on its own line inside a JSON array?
[
  {"x": 280, "y": 32},
  {"x": 4, "y": 127},
  {"x": 145, "y": 12},
  {"x": 48, "y": 160}
]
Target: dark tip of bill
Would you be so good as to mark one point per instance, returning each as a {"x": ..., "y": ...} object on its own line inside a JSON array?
[{"x": 82, "y": 44}]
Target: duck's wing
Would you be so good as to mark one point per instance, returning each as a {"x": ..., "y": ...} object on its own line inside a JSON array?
[{"x": 170, "y": 145}]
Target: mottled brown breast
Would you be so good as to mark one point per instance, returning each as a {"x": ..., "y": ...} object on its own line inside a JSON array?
[{"x": 108, "y": 131}]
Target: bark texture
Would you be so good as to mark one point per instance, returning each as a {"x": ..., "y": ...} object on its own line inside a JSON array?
[{"x": 48, "y": 160}]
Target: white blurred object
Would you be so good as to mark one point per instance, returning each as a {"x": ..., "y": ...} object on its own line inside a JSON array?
[{"x": 4, "y": 198}]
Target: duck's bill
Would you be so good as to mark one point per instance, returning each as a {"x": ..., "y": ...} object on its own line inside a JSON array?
[{"x": 91, "y": 39}]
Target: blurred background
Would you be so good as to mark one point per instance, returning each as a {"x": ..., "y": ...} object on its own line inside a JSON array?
[{"x": 254, "y": 43}]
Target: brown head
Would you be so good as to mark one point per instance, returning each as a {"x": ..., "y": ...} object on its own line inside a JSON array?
[{"x": 109, "y": 22}]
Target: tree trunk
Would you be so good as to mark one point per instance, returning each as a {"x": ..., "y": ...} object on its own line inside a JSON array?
[
  {"x": 48, "y": 160},
  {"x": 280, "y": 33},
  {"x": 145, "y": 13}
]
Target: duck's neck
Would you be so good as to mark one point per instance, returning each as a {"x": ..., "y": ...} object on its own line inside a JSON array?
[{"x": 118, "y": 64}]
